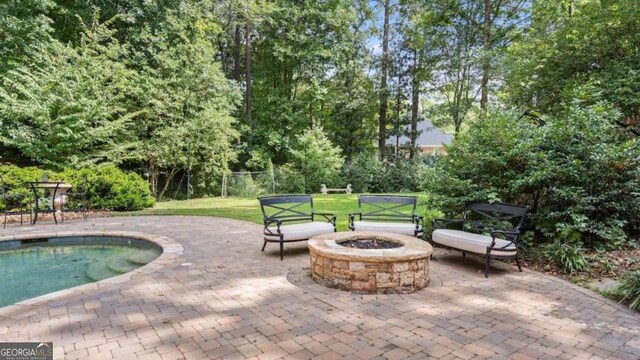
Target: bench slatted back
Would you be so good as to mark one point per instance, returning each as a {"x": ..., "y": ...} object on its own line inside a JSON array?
[
  {"x": 481, "y": 217},
  {"x": 387, "y": 207},
  {"x": 287, "y": 207}
]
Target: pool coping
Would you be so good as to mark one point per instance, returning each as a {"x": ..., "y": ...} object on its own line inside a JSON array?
[{"x": 171, "y": 250}]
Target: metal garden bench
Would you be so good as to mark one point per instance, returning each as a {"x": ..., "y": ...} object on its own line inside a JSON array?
[
  {"x": 490, "y": 230},
  {"x": 289, "y": 218},
  {"x": 387, "y": 213}
]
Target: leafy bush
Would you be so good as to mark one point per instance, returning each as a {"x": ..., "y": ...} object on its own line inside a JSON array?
[
  {"x": 288, "y": 181},
  {"x": 569, "y": 257},
  {"x": 366, "y": 173},
  {"x": 109, "y": 188},
  {"x": 576, "y": 170},
  {"x": 629, "y": 289},
  {"x": 243, "y": 185},
  {"x": 317, "y": 159},
  {"x": 361, "y": 172},
  {"x": 399, "y": 175},
  {"x": 14, "y": 178}
]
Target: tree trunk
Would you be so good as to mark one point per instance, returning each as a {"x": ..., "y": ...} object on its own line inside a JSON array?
[
  {"x": 486, "y": 61},
  {"x": 248, "y": 75},
  {"x": 384, "y": 92},
  {"x": 399, "y": 126},
  {"x": 237, "y": 52},
  {"x": 415, "y": 99},
  {"x": 167, "y": 182},
  {"x": 153, "y": 177}
]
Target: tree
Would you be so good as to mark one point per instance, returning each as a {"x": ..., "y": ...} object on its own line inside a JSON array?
[
  {"x": 350, "y": 109},
  {"x": 300, "y": 55},
  {"x": 384, "y": 73},
  {"x": 503, "y": 21},
  {"x": 455, "y": 75},
  {"x": 25, "y": 32},
  {"x": 317, "y": 159},
  {"x": 73, "y": 108},
  {"x": 189, "y": 122},
  {"x": 590, "y": 42},
  {"x": 415, "y": 30}
]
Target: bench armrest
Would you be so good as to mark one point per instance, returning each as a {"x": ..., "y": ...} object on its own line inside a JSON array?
[
  {"x": 331, "y": 218},
  {"x": 268, "y": 222},
  {"x": 510, "y": 235},
  {"x": 352, "y": 218},
  {"x": 418, "y": 220},
  {"x": 442, "y": 223},
  {"x": 513, "y": 235}
]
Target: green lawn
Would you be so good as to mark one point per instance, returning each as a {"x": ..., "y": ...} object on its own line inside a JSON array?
[{"x": 248, "y": 209}]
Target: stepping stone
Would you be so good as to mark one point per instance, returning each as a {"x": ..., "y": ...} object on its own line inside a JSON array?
[
  {"x": 604, "y": 284},
  {"x": 97, "y": 271},
  {"x": 143, "y": 257},
  {"x": 121, "y": 265}
]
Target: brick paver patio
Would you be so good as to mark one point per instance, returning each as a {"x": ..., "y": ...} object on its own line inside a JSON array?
[{"x": 223, "y": 298}]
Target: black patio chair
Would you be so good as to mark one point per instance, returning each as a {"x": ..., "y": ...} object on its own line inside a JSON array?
[
  {"x": 13, "y": 204},
  {"x": 289, "y": 218}
]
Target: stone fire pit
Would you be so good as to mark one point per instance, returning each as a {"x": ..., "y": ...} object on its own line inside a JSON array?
[{"x": 404, "y": 269}]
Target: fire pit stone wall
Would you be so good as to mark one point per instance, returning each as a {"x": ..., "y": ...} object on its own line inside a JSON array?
[{"x": 399, "y": 270}]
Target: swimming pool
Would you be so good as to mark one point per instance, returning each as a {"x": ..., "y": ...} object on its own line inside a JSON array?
[{"x": 34, "y": 267}]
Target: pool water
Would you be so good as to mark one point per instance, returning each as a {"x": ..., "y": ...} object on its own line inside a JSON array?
[{"x": 31, "y": 270}]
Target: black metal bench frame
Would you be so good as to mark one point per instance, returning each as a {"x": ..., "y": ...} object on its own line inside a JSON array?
[
  {"x": 286, "y": 210},
  {"x": 388, "y": 208},
  {"x": 491, "y": 219}
]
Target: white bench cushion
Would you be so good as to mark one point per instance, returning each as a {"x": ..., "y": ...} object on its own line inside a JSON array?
[
  {"x": 398, "y": 228},
  {"x": 470, "y": 242},
  {"x": 302, "y": 231}
]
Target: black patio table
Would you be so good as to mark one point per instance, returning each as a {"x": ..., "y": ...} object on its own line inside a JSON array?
[{"x": 53, "y": 187}]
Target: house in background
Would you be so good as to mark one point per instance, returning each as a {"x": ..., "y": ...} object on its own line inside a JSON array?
[{"x": 429, "y": 140}]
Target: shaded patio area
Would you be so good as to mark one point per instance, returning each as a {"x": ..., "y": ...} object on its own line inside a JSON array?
[{"x": 223, "y": 298}]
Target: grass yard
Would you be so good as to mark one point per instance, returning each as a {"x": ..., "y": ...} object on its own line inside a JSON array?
[{"x": 248, "y": 209}]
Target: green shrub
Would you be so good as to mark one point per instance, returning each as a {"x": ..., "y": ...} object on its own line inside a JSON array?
[
  {"x": 361, "y": 172},
  {"x": 243, "y": 185},
  {"x": 576, "y": 170},
  {"x": 109, "y": 188},
  {"x": 288, "y": 181},
  {"x": 569, "y": 257},
  {"x": 399, "y": 174},
  {"x": 317, "y": 160},
  {"x": 367, "y": 174},
  {"x": 15, "y": 178},
  {"x": 629, "y": 289}
]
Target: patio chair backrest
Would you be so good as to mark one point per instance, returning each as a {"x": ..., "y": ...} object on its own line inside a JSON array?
[
  {"x": 481, "y": 217},
  {"x": 287, "y": 207},
  {"x": 387, "y": 207}
]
